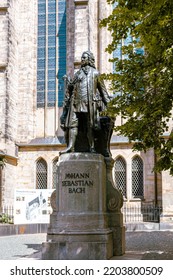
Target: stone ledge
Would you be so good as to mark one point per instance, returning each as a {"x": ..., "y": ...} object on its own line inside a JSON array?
[
  {"x": 146, "y": 226},
  {"x": 22, "y": 229},
  {"x": 80, "y": 247},
  {"x": 42, "y": 228}
]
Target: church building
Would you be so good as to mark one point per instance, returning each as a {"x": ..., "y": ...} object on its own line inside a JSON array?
[{"x": 40, "y": 42}]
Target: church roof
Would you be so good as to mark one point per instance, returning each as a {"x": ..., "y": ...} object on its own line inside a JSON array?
[
  {"x": 119, "y": 139},
  {"x": 44, "y": 141}
]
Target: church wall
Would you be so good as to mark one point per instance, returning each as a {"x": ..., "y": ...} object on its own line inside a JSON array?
[
  {"x": 8, "y": 76},
  {"x": 28, "y": 157},
  {"x": 9, "y": 184},
  {"x": 125, "y": 150},
  {"x": 4, "y": 34},
  {"x": 17, "y": 75},
  {"x": 81, "y": 36},
  {"x": 27, "y": 39},
  {"x": 20, "y": 119},
  {"x": 12, "y": 79},
  {"x": 8, "y": 94},
  {"x": 2, "y": 107},
  {"x": 70, "y": 20},
  {"x": 104, "y": 38},
  {"x": 17, "y": 83},
  {"x": 167, "y": 196},
  {"x": 88, "y": 34},
  {"x": 93, "y": 28},
  {"x": 45, "y": 118}
]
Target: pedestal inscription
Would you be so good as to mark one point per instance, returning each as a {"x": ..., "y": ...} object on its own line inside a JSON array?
[
  {"x": 79, "y": 226},
  {"x": 81, "y": 184}
]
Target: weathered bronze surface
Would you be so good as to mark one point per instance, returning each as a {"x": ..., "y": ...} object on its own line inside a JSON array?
[{"x": 85, "y": 97}]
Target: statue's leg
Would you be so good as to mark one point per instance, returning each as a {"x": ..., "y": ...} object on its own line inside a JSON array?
[
  {"x": 72, "y": 134},
  {"x": 90, "y": 135},
  {"x": 71, "y": 141},
  {"x": 66, "y": 136}
]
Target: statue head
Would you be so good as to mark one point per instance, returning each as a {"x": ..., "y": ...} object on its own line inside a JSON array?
[{"x": 88, "y": 59}]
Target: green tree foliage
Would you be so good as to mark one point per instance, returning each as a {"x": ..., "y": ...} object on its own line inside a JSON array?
[{"x": 143, "y": 82}]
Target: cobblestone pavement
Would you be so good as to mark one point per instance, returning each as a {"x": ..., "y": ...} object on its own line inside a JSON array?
[
  {"x": 144, "y": 245},
  {"x": 21, "y": 246},
  {"x": 157, "y": 245},
  {"x": 148, "y": 245}
]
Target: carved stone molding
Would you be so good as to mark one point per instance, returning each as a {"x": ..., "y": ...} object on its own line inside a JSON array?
[{"x": 53, "y": 200}]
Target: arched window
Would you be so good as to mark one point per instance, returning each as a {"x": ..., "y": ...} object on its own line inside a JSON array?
[
  {"x": 137, "y": 177},
  {"x": 120, "y": 175},
  {"x": 54, "y": 173},
  {"x": 41, "y": 174},
  {"x": 50, "y": 50}
]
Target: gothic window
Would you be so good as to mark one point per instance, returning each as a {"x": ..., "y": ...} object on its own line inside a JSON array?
[
  {"x": 54, "y": 173},
  {"x": 120, "y": 175},
  {"x": 41, "y": 174},
  {"x": 41, "y": 53},
  {"x": 49, "y": 57},
  {"x": 137, "y": 177}
]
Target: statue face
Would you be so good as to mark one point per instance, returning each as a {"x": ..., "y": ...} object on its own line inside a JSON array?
[{"x": 84, "y": 59}]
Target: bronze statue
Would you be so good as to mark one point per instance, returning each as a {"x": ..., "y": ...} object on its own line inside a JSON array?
[{"x": 82, "y": 104}]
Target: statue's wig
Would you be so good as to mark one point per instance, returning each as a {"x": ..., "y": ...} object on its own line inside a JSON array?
[{"x": 90, "y": 58}]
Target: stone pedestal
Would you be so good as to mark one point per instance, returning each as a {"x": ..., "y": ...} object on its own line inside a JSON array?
[
  {"x": 167, "y": 198},
  {"x": 81, "y": 227}
]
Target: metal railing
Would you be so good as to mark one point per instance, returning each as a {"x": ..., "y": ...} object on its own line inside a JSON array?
[
  {"x": 131, "y": 213},
  {"x": 7, "y": 215},
  {"x": 141, "y": 213}
]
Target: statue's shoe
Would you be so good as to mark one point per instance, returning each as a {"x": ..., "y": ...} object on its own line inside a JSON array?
[{"x": 68, "y": 150}]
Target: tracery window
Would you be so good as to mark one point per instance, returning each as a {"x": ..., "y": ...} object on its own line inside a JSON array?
[
  {"x": 41, "y": 174},
  {"x": 54, "y": 173},
  {"x": 120, "y": 175},
  {"x": 51, "y": 33},
  {"x": 137, "y": 177}
]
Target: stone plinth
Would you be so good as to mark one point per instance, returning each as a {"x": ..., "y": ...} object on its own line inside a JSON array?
[
  {"x": 80, "y": 226},
  {"x": 167, "y": 198}
]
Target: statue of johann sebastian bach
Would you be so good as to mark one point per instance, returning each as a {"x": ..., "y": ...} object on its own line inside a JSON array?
[{"x": 83, "y": 96}]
